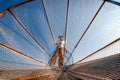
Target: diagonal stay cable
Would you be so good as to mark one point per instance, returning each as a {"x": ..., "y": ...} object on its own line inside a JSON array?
[
  {"x": 86, "y": 29},
  {"x": 50, "y": 27},
  {"x": 100, "y": 49},
  {"x": 27, "y": 31},
  {"x": 19, "y": 52}
]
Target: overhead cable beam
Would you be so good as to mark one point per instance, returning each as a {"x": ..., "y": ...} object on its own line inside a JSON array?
[
  {"x": 113, "y": 2},
  {"x": 46, "y": 14},
  {"x": 86, "y": 29},
  {"x": 19, "y": 52},
  {"x": 100, "y": 49},
  {"x": 28, "y": 32}
]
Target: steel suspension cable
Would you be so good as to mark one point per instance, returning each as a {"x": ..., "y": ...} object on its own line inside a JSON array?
[
  {"x": 19, "y": 52},
  {"x": 88, "y": 27},
  {"x": 27, "y": 31}
]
